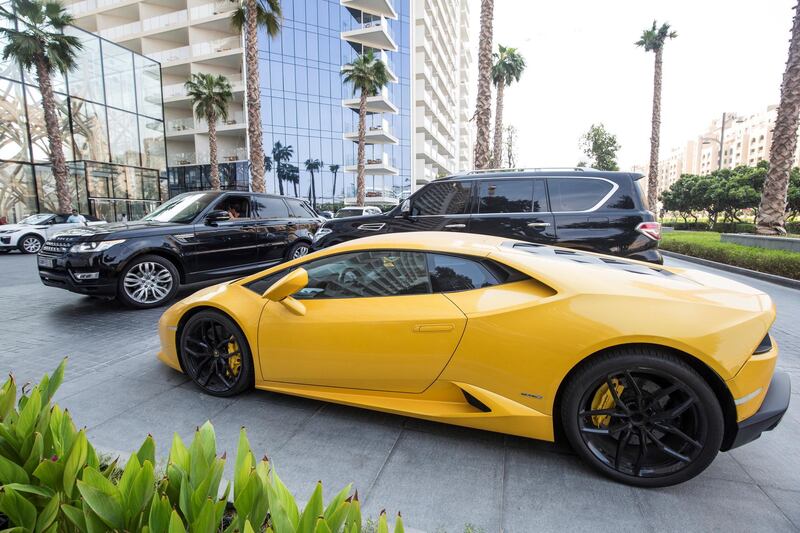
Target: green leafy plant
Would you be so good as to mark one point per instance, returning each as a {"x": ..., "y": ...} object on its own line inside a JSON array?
[{"x": 53, "y": 481}]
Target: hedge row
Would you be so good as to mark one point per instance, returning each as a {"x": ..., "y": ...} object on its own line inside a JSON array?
[{"x": 707, "y": 245}]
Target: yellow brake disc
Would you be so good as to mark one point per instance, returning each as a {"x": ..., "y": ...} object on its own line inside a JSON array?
[{"x": 603, "y": 399}]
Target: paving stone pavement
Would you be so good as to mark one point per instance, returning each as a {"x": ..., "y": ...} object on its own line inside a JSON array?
[{"x": 441, "y": 477}]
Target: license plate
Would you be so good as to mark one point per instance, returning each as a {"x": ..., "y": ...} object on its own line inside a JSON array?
[{"x": 47, "y": 262}]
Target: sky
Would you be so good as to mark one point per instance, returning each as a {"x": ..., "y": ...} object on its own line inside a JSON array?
[{"x": 583, "y": 68}]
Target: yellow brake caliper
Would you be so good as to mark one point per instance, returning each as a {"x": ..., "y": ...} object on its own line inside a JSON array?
[
  {"x": 603, "y": 399},
  {"x": 234, "y": 361}
]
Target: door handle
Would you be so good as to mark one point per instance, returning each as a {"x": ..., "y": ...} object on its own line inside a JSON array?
[
  {"x": 538, "y": 224},
  {"x": 456, "y": 226},
  {"x": 432, "y": 328}
]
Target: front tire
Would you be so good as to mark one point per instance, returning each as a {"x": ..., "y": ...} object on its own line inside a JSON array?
[
  {"x": 643, "y": 417},
  {"x": 30, "y": 244},
  {"x": 215, "y": 354},
  {"x": 148, "y": 281}
]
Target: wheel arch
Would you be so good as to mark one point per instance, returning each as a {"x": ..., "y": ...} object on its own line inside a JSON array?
[
  {"x": 169, "y": 255},
  {"x": 713, "y": 380}
]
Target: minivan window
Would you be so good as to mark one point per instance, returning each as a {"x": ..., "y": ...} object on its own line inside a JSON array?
[
  {"x": 444, "y": 198},
  {"x": 451, "y": 273},
  {"x": 268, "y": 207},
  {"x": 576, "y": 194}
]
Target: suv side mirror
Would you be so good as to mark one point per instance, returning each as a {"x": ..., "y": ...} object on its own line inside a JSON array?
[
  {"x": 282, "y": 290},
  {"x": 218, "y": 215}
]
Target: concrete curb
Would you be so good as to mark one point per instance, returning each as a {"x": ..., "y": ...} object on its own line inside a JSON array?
[{"x": 772, "y": 278}]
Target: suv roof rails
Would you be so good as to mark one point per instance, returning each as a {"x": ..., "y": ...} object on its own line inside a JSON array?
[{"x": 531, "y": 169}]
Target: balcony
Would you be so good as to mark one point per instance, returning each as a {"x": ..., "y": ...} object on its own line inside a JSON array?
[
  {"x": 192, "y": 51},
  {"x": 213, "y": 8},
  {"x": 375, "y": 104},
  {"x": 383, "y": 166},
  {"x": 373, "y": 33},
  {"x": 227, "y": 155},
  {"x": 79, "y": 9},
  {"x": 177, "y": 91},
  {"x": 377, "y": 134},
  {"x": 181, "y": 158},
  {"x": 376, "y": 7},
  {"x": 163, "y": 22}
]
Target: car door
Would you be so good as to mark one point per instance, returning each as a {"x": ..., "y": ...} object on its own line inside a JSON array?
[
  {"x": 439, "y": 206},
  {"x": 56, "y": 225},
  {"x": 515, "y": 208},
  {"x": 371, "y": 322},
  {"x": 227, "y": 247},
  {"x": 275, "y": 224}
]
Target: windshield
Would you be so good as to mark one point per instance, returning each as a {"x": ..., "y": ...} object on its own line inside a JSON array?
[
  {"x": 36, "y": 219},
  {"x": 342, "y": 213},
  {"x": 182, "y": 209}
]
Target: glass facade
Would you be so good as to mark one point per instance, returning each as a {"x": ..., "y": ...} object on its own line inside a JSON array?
[
  {"x": 112, "y": 132},
  {"x": 301, "y": 104}
]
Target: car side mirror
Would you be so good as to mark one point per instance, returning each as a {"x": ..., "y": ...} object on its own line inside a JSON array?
[
  {"x": 282, "y": 290},
  {"x": 218, "y": 215}
]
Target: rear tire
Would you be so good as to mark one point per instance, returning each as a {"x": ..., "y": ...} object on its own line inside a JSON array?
[
  {"x": 148, "y": 281},
  {"x": 297, "y": 250},
  {"x": 30, "y": 244},
  {"x": 643, "y": 417}
]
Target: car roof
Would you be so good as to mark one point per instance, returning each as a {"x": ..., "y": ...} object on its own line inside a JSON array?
[
  {"x": 221, "y": 193},
  {"x": 561, "y": 172}
]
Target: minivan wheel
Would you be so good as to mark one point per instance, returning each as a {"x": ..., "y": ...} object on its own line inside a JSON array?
[
  {"x": 30, "y": 244},
  {"x": 297, "y": 250},
  {"x": 642, "y": 417},
  {"x": 149, "y": 281}
]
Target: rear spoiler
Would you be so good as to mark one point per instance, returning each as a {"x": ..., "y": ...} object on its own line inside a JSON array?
[{"x": 635, "y": 176}]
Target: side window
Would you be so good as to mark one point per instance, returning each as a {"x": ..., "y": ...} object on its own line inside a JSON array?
[
  {"x": 236, "y": 206},
  {"x": 300, "y": 209},
  {"x": 451, "y": 273},
  {"x": 268, "y": 207},
  {"x": 366, "y": 274},
  {"x": 506, "y": 196},
  {"x": 444, "y": 198},
  {"x": 58, "y": 219},
  {"x": 576, "y": 194}
]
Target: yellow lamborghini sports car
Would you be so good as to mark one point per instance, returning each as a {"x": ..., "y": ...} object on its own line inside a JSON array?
[{"x": 647, "y": 371}]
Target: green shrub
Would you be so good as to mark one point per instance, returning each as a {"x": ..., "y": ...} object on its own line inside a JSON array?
[
  {"x": 707, "y": 245},
  {"x": 53, "y": 481}
]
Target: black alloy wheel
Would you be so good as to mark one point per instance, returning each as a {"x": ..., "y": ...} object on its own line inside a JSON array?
[
  {"x": 214, "y": 353},
  {"x": 643, "y": 417}
]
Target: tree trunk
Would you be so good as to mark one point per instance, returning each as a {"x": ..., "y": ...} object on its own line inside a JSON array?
[
  {"x": 212, "y": 149},
  {"x": 772, "y": 211},
  {"x": 280, "y": 177},
  {"x": 296, "y": 194},
  {"x": 483, "y": 103},
  {"x": 333, "y": 189},
  {"x": 313, "y": 192},
  {"x": 655, "y": 136},
  {"x": 57, "y": 159},
  {"x": 498, "y": 127},
  {"x": 361, "y": 192},
  {"x": 253, "y": 98}
]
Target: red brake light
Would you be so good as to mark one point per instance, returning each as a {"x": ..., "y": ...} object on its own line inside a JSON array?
[{"x": 650, "y": 229}]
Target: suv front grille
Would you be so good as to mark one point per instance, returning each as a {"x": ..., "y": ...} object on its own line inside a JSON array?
[{"x": 58, "y": 245}]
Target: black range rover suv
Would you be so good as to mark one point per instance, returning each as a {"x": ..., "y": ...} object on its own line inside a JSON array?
[
  {"x": 578, "y": 208},
  {"x": 190, "y": 238}
]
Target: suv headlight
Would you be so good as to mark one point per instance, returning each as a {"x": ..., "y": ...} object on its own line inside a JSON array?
[
  {"x": 321, "y": 232},
  {"x": 94, "y": 246}
]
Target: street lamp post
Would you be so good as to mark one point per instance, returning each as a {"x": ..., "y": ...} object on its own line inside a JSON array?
[{"x": 720, "y": 141}]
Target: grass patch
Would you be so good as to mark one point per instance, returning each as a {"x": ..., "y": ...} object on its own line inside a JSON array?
[{"x": 707, "y": 245}]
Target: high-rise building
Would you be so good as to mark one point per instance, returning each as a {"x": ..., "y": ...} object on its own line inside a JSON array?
[
  {"x": 417, "y": 127},
  {"x": 112, "y": 134}
]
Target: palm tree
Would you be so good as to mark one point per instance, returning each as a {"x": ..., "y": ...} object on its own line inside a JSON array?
[
  {"x": 652, "y": 40},
  {"x": 292, "y": 174},
  {"x": 39, "y": 43},
  {"x": 312, "y": 165},
  {"x": 211, "y": 95},
  {"x": 334, "y": 170},
  {"x": 368, "y": 76},
  {"x": 507, "y": 69},
  {"x": 281, "y": 153},
  {"x": 483, "y": 104},
  {"x": 267, "y": 15},
  {"x": 267, "y": 164},
  {"x": 772, "y": 211}
]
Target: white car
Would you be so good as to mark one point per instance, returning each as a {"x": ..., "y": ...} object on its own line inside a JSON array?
[
  {"x": 347, "y": 212},
  {"x": 29, "y": 234}
]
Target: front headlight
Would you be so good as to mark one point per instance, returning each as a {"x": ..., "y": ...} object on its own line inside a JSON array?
[
  {"x": 321, "y": 232},
  {"x": 94, "y": 246}
]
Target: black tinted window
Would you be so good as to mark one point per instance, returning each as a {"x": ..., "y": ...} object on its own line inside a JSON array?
[
  {"x": 511, "y": 196},
  {"x": 266, "y": 207},
  {"x": 445, "y": 198},
  {"x": 300, "y": 209},
  {"x": 451, "y": 273},
  {"x": 366, "y": 274},
  {"x": 236, "y": 206},
  {"x": 576, "y": 194}
]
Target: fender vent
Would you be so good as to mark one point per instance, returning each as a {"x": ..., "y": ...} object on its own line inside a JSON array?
[
  {"x": 474, "y": 402},
  {"x": 377, "y": 226}
]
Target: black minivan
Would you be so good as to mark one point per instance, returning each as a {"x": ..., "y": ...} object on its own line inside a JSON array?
[
  {"x": 580, "y": 208},
  {"x": 190, "y": 238}
]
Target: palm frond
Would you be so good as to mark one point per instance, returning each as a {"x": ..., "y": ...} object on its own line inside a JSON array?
[{"x": 366, "y": 74}]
